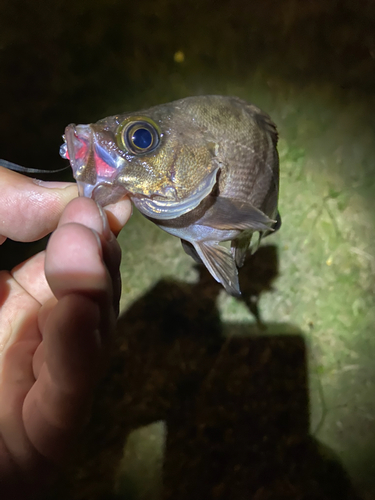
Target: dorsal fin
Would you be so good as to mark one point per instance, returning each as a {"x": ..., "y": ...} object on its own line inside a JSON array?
[{"x": 264, "y": 122}]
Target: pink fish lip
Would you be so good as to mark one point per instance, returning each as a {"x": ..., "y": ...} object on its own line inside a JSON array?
[
  {"x": 87, "y": 149},
  {"x": 94, "y": 158}
]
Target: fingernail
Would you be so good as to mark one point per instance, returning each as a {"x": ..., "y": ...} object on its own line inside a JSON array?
[
  {"x": 52, "y": 184},
  {"x": 106, "y": 229}
]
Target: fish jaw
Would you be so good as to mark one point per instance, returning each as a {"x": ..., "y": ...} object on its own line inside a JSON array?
[
  {"x": 162, "y": 208},
  {"x": 96, "y": 162}
]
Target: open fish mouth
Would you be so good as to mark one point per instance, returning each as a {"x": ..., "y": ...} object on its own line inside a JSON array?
[{"x": 95, "y": 166}]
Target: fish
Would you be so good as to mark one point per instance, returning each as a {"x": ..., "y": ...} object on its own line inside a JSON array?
[{"x": 204, "y": 169}]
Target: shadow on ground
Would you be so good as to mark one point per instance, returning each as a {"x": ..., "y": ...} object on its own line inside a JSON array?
[{"x": 234, "y": 398}]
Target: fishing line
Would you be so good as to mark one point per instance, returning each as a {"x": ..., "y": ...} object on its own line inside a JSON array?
[{"x": 25, "y": 170}]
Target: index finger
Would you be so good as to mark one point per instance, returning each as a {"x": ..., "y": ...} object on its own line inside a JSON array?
[{"x": 30, "y": 208}]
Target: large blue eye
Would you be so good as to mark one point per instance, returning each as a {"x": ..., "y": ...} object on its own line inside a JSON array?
[
  {"x": 139, "y": 136},
  {"x": 142, "y": 138}
]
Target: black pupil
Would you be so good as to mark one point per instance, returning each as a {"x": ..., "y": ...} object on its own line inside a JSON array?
[{"x": 142, "y": 138}]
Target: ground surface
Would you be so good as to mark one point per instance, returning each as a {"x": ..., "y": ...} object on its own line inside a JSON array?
[{"x": 325, "y": 279}]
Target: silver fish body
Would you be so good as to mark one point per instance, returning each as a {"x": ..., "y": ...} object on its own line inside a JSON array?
[{"x": 204, "y": 169}]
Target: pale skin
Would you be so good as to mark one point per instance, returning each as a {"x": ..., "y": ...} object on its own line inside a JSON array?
[{"x": 57, "y": 315}]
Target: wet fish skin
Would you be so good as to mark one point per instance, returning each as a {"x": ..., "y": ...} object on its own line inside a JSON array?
[{"x": 212, "y": 177}]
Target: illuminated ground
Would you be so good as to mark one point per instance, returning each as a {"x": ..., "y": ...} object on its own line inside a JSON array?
[{"x": 325, "y": 285}]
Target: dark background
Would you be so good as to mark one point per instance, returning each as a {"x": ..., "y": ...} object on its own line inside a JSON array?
[{"x": 63, "y": 62}]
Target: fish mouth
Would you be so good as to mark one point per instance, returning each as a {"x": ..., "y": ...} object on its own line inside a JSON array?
[{"x": 95, "y": 162}]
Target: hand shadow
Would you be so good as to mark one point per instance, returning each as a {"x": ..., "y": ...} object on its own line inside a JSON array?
[{"x": 234, "y": 399}]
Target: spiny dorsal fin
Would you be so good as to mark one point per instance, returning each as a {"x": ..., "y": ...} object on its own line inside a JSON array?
[
  {"x": 262, "y": 118},
  {"x": 264, "y": 122}
]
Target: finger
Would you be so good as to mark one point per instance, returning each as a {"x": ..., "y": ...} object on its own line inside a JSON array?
[
  {"x": 86, "y": 212},
  {"x": 59, "y": 403},
  {"x": 118, "y": 214},
  {"x": 19, "y": 338},
  {"x": 78, "y": 260},
  {"x": 75, "y": 336},
  {"x": 30, "y": 209},
  {"x": 17, "y": 313},
  {"x": 74, "y": 262},
  {"x": 30, "y": 275},
  {"x": 79, "y": 211}
]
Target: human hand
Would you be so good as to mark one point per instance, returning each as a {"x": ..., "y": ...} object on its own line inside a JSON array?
[{"x": 57, "y": 313}]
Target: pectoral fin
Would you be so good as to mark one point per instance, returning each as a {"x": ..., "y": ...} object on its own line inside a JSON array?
[
  {"x": 220, "y": 263},
  {"x": 227, "y": 213},
  {"x": 275, "y": 227},
  {"x": 278, "y": 223}
]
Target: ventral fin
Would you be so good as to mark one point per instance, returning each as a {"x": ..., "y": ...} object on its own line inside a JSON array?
[
  {"x": 227, "y": 213},
  {"x": 255, "y": 243},
  {"x": 190, "y": 250},
  {"x": 220, "y": 263},
  {"x": 240, "y": 246}
]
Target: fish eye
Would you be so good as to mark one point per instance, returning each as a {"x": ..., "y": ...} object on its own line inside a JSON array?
[
  {"x": 138, "y": 136},
  {"x": 142, "y": 138}
]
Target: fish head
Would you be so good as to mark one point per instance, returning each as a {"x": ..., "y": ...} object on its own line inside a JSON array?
[{"x": 162, "y": 158}]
